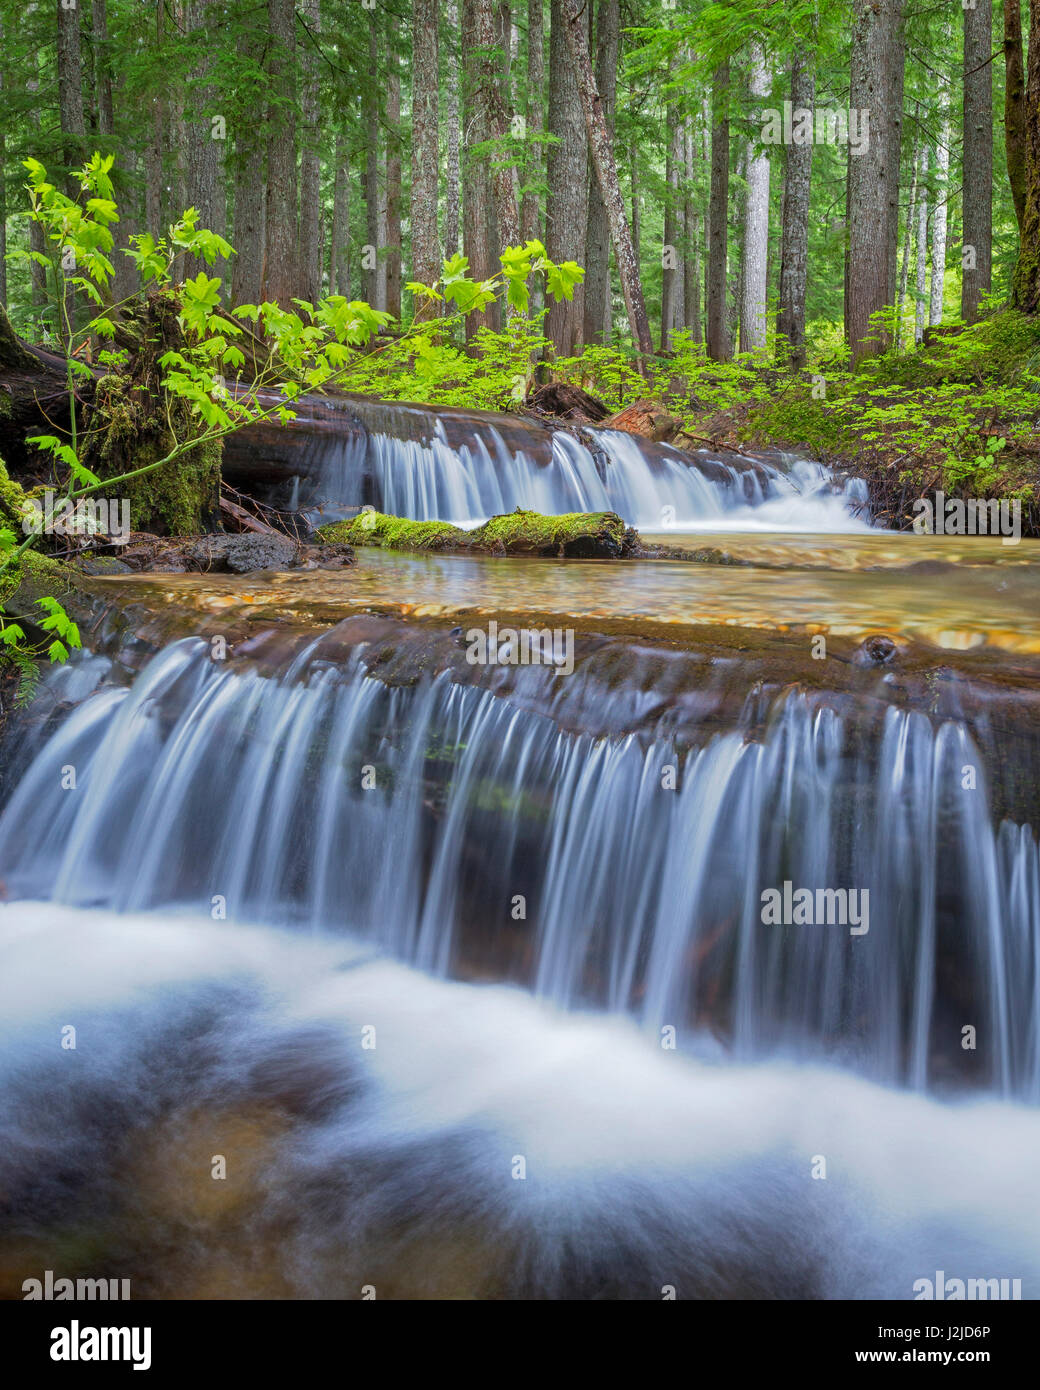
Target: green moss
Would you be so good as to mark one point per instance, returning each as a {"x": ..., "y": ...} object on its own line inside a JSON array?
[
  {"x": 393, "y": 532},
  {"x": 574, "y": 534},
  {"x": 131, "y": 429},
  {"x": 12, "y": 496}
]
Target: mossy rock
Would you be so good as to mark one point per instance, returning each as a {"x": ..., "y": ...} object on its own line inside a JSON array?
[
  {"x": 393, "y": 533},
  {"x": 573, "y": 535}
]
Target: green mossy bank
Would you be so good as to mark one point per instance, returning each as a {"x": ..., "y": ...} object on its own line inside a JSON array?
[{"x": 574, "y": 535}]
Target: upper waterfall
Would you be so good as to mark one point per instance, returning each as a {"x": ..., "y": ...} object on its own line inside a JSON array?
[{"x": 464, "y": 466}]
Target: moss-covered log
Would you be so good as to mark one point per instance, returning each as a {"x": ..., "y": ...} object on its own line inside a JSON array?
[
  {"x": 130, "y": 430},
  {"x": 121, "y": 417},
  {"x": 573, "y": 535}
]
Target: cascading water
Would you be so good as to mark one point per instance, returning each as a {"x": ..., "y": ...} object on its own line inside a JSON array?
[
  {"x": 512, "y": 923},
  {"x": 373, "y": 1120},
  {"x": 464, "y": 469},
  {"x": 412, "y": 817}
]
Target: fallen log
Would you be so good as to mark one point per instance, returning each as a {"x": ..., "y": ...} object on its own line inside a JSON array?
[{"x": 574, "y": 535}]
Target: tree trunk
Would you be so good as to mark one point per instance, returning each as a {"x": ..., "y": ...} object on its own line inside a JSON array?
[
  {"x": 339, "y": 252},
  {"x": 153, "y": 156},
  {"x": 507, "y": 215},
  {"x": 102, "y": 68},
  {"x": 606, "y": 173},
  {"x": 896, "y": 62},
  {"x": 756, "y": 226},
  {"x": 203, "y": 144},
  {"x": 908, "y": 243},
  {"x": 691, "y": 221},
  {"x": 531, "y": 215},
  {"x": 310, "y": 157},
  {"x": 875, "y": 36},
  {"x": 566, "y": 207},
  {"x": 707, "y": 132},
  {"x": 478, "y": 226},
  {"x": 1026, "y": 292},
  {"x": 637, "y": 210},
  {"x": 718, "y": 344},
  {"x": 939, "y": 217},
  {"x": 794, "y": 248},
  {"x": 977, "y": 197},
  {"x": 247, "y": 268},
  {"x": 671, "y": 275},
  {"x": 426, "y": 254},
  {"x": 393, "y": 170},
  {"x": 372, "y": 280},
  {"x": 1015, "y": 106},
  {"x": 453, "y": 176},
  {"x": 70, "y": 91},
  {"x": 597, "y": 236},
  {"x": 920, "y": 302},
  {"x": 281, "y": 278}
]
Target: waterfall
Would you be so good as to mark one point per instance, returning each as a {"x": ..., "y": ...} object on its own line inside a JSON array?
[
  {"x": 472, "y": 837},
  {"x": 464, "y": 467}
]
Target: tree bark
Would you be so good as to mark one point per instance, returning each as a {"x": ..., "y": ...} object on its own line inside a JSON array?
[
  {"x": 794, "y": 248},
  {"x": 70, "y": 91},
  {"x": 310, "y": 156},
  {"x": 507, "y": 215},
  {"x": 280, "y": 280},
  {"x": 908, "y": 244},
  {"x": 339, "y": 253},
  {"x": 1015, "y": 106},
  {"x": 393, "y": 170},
  {"x": 531, "y": 214},
  {"x": 478, "y": 227},
  {"x": 896, "y": 63},
  {"x": 671, "y": 274},
  {"x": 920, "y": 301},
  {"x": 372, "y": 277},
  {"x": 718, "y": 343},
  {"x": 426, "y": 256},
  {"x": 977, "y": 196},
  {"x": 691, "y": 227},
  {"x": 453, "y": 175},
  {"x": 1026, "y": 291},
  {"x": 567, "y": 202},
  {"x": 249, "y": 180},
  {"x": 939, "y": 221},
  {"x": 606, "y": 173},
  {"x": 756, "y": 226},
  {"x": 875, "y": 36},
  {"x": 203, "y": 153},
  {"x": 597, "y": 237},
  {"x": 637, "y": 209},
  {"x": 102, "y": 68}
]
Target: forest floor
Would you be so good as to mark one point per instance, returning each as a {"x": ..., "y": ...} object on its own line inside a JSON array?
[{"x": 960, "y": 414}]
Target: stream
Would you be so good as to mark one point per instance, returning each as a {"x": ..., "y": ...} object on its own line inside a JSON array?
[{"x": 463, "y": 965}]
